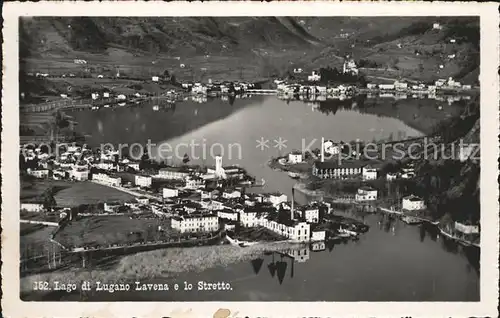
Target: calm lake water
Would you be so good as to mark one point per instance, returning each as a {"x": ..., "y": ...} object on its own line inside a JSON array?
[{"x": 392, "y": 261}]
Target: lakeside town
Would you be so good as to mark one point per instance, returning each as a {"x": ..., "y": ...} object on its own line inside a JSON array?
[
  {"x": 311, "y": 87},
  {"x": 87, "y": 209}
]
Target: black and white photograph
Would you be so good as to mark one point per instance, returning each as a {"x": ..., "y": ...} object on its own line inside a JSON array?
[{"x": 251, "y": 158}]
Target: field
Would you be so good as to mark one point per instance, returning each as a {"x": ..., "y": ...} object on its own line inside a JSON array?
[
  {"x": 109, "y": 230},
  {"x": 32, "y": 188},
  {"x": 89, "y": 193}
]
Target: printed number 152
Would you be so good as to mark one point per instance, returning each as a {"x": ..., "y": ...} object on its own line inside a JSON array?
[{"x": 41, "y": 286}]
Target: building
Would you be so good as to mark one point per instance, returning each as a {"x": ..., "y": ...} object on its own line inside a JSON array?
[
  {"x": 155, "y": 78},
  {"x": 143, "y": 181},
  {"x": 466, "y": 228},
  {"x": 331, "y": 148},
  {"x": 297, "y": 70},
  {"x": 248, "y": 218},
  {"x": 413, "y": 203},
  {"x": 80, "y": 173},
  {"x": 276, "y": 198},
  {"x": 107, "y": 179},
  {"x": 170, "y": 193},
  {"x": 193, "y": 182},
  {"x": 350, "y": 67},
  {"x": 38, "y": 173},
  {"x": 295, "y": 157},
  {"x": 173, "y": 173},
  {"x": 390, "y": 176},
  {"x": 371, "y": 86},
  {"x": 318, "y": 235},
  {"x": 105, "y": 165},
  {"x": 32, "y": 207},
  {"x": 310, "y": 213},
  {"x": 388, "y": 87},
  {"x": 111, "y": 207},
  {"x": 196, "y": 223},
  {"x": 314, "y": 77},
  {"x": 142, "y": 200},
  {"x": 295, "y": 231},
  {"x": 231, "y": 194},
  {"x": 366, "y": 194},
  {"x": 437, "y": 26},
  {"x": 369, "y": 173},
  {"x": 400, "y": 86},
  {"x": 228, "y": 214},
  {"x": 333, "y": 169}
]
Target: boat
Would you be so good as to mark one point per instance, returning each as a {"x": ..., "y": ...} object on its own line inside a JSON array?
[
  {"x": 293, "y": 175},
  {"x": 122, "y": 104},
  {"x": 236, "y": 242}
]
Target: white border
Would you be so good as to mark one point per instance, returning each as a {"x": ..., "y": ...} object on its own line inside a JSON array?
[{"x": 13, "y": 307}]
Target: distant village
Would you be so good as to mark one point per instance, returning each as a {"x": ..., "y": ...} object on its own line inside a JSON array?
[{"x": 298, "y": 86}]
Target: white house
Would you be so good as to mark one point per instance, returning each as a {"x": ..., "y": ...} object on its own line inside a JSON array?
[
  {"x": 437, "y": 26},
  {"x": 369, "y": 173},
  {"x": 105, "y": 95},
  {"x": 391, "y": 176},
  {"x": 297, "y": 70},
  {"x": 79, "y": 174},
  {"x": 314, "y": 77},
  {"x": 413, "y": 203},
  {"x": 95, "y": 95},
  {"x": 231, "y": 194},
  {"x": 331, "y": 148},
  {"x": 111, "y": 207},
  {"x": 276, "y": 198},
  {"x": 318, "y": 235},
  {"x": 466, "y": 229},
  {"x": 121, "y": 97},
  {"x": 310, "y": 214},
  {"x": 170, "y": 193},
  {"x": 228, "y": 214},
  {"x": 155, "y": 78},
  {"x": 371, "y": 86},
  {"x": 366, "y": 194},
  {"x": 386, "y": 86},
  {"x": 142, "y": 200},
  {"x": 297, "y": 231},
  {"x": 350, "y": 67},
  {"x": 194, "y": 182},
  {"x": 248, "y": 218},
  {"x": 143, "y": 181},
  {"x": 400, "y": 85},
  {"x": 107, "y": 179},
  {"x": 38, "y": 173},
  {"x": 196, "y": 223},
  {"x": 32, "y": 207},
  {"x": 295, "y": 157},
  {"x": 173, "y": 173}
]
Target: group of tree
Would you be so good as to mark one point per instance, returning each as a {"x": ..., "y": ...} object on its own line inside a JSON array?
[{"x": 334, "y": 76}]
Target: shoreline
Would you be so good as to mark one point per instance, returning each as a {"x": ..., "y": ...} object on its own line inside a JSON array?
[{"x": 165, "y": 263}]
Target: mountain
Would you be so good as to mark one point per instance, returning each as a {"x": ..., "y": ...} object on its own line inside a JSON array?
[
  {"x": 192, "y": 36},
  {"x": 417, "y": 48}
]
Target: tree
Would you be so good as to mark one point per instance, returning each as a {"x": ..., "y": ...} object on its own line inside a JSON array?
[{"x": 48, "y": 199}]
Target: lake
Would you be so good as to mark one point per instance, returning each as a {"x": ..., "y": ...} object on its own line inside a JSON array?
[{"x": 392, "y": 261}]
